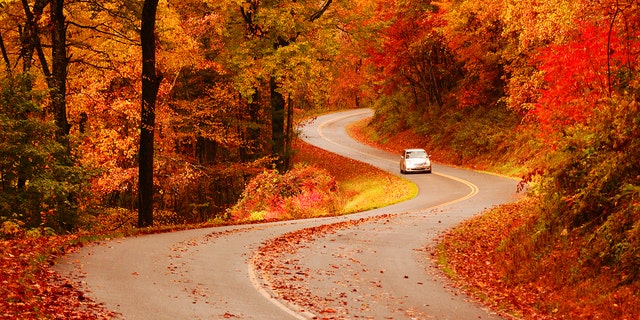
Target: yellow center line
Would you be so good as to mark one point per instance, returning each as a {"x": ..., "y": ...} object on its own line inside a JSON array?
[
  {"x": 473, "y": 187},
  {"x": 290, "y": 307}
]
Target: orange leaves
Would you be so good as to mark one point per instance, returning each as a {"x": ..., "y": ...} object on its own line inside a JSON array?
[
  {"x": 289, "y": 280},
  {"x": 510, "y": 260},
  {"x": 305, "y": 191},
  {"x": 29, "y": 290},
  {"x": 471, "y": 252}
]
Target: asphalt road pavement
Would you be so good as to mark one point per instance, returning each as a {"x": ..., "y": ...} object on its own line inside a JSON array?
[{"x": 375, "y": 270}]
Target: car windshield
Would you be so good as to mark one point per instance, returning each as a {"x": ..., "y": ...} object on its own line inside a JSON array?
[{"x": 416, "y": 154}]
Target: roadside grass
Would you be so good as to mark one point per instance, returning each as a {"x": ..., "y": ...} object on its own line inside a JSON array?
[
  {"x": 362, "y": 186},
  {"x": 375, "y": 191}
]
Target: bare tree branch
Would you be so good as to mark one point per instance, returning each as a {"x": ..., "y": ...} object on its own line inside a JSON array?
[
  {"x": 5, "y": 56},
  {"x": 31, "y": 34},
  {"x": 320, "y": 12},
  {"x": 117, "y": 36}
]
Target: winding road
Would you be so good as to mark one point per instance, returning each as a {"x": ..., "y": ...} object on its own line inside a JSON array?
[{"x": 377, "y": 269}]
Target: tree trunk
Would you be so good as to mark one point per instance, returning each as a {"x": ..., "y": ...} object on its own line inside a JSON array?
[
  {"x": 278, "y": 135},
  {"x": 289, "y": 135},
  {"x": 150, "y": 84},
  {"x": 252, "y": 151},
  {"x": 277, "y": 124},
  {"x": 5, "y": 56},
  {"x": 56, "y": 77},
  {"x": 30, "y": 38},
  {"x": 59, "y": 62}
]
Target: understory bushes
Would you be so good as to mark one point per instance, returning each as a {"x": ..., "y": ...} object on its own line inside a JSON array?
[
  {"x": 592, "y": 189},
  {"x": 40, "y": 187},
  {"x": 303, "y": 192},
  {"x": 571, "y": 249},
  {"x": 490, "y": 138}
]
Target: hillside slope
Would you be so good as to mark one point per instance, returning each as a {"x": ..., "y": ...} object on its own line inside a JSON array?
[{"x": 522, "y": 261}]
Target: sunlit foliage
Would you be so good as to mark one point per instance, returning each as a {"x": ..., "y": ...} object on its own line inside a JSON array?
[
  {"x": 551, "y": 86},
  {"x": 303, "y": 192}
]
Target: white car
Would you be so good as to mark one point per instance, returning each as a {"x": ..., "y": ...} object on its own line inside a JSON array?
[{"x": 415, "y": 160}]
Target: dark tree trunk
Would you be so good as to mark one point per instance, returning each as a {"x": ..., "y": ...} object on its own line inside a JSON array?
[
  {"x": 289, "y": 135},
  {"x": 5, "y": 56},
  {"x": 30, "y": 38},
  {"x": 59, "y": 62},
  {"x": 278, "y": 134},
  {"x": 57, "y": 75},
  {"x": 277, "y": 124},
  {"x": 206, "y": 151},
  {"x": 150, "y": 84},
  {"x": 252, "y": 151}
]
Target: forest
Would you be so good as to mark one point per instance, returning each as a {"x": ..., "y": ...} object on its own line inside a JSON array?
[{"x": 137, "y": 113}]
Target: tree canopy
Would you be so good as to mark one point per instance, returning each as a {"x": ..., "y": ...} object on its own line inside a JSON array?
[
  {"x": 238, "y": 74},
  {"x": 173, "y": 107}
]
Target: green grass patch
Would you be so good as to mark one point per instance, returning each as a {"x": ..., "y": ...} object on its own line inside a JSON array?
[{"x": 376, "y": 191}]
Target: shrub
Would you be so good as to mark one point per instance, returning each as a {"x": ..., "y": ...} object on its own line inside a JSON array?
[
  {"x": 305, "y": 191},
  {"x": 11, "y": 229},
  {"x": 39, "y": 185},
  {"x": 593, "y": 188}
]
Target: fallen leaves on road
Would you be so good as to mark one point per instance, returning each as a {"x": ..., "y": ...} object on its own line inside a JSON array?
[{"x": 285, "y": 277}]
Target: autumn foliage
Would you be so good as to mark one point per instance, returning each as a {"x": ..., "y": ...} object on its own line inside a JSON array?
[
  {"x": 507, "y": 259},
  {"x": 550, "y": 88},
  {"x": 543, "y": 89},
  {"x": 579, "y": 74},
  {"x": 216, "y": 125},
  {"x": 303, "y": 192},
  {"x": 31, "y": 290}
]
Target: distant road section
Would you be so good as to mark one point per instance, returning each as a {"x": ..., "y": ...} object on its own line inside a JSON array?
[{"x": 373, "y": 270}]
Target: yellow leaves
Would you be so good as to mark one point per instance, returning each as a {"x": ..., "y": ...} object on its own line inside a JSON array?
[
  {"x": 540, "y": 21},
  {"x": 177, "y": 48},
  {"x": 283, "y": 21},
  {"x": 465, "y": 12}
]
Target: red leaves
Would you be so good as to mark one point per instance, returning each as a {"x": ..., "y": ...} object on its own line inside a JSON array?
[
  {"x": 328, "y": 310},
  {"x": 412, "y": 55},
  {"x": 581, "y": 72},
  {"x": 498, "y": 256},
  {"x": 576, "y": 77},
  {"x": 284, "y": 275},
  {"x": 29, "y": 289}
]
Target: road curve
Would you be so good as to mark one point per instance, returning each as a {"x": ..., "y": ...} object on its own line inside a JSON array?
[{"x": 374, "y": 270}]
